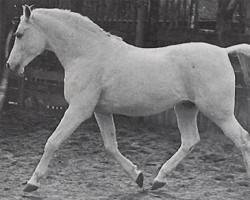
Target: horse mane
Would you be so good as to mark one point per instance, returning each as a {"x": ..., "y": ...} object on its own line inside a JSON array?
[{"x": 74, "y": 20}]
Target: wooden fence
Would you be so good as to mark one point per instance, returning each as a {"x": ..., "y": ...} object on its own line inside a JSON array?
[{"x": 116, "y": 16}]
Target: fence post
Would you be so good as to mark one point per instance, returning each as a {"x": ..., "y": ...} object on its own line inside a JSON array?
[
  {"x": 153, "y": 22},
  {"x": 21, "y": 92},
  {"x": 141, "y": 23},
  {"x": 193, "y": 14},
  {"x": 2, "y": 36},
  {"x": 247, "y": 4}
]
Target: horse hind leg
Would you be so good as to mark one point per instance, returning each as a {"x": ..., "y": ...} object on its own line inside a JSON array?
[
  {"x": 222, "y": 114},
  {"x": 232, "y": 129},
  {"x": 186, "y": 117}
]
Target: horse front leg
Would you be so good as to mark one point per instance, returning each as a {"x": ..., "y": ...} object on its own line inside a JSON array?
[
  {"x": 107, "y": 128},
  {"x": 73, "y": 117}
]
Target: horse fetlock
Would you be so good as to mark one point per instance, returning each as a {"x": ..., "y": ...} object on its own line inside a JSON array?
[
  {"x": 36, "y": 177},
  {"x": 157, "y": 184},
  {"x": 133, "y": 172},
  {"x": 160, "y": 177}
]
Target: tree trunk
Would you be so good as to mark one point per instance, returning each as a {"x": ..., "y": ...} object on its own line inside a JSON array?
[
  {"x": 2, "y": 36},
  {"x": 247, "y": 17},
  {"x": 153, "y": 20},
  {"x": 226, "y": 9}
]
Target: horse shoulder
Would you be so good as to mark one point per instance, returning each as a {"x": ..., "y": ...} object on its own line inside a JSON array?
[{"x": 81, "y": 78}]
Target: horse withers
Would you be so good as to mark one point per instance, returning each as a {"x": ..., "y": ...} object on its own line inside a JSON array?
[{"x": 104, "y": 75}]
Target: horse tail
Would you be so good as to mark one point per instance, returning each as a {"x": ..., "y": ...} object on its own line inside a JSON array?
[{"x": 243, "y": 53}]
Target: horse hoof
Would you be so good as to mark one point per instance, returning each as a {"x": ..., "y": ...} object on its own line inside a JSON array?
[
  {"x": 157, "y": 185},
  {"x": 139, "y": 180},
  {"x": 30, "y": 188}
]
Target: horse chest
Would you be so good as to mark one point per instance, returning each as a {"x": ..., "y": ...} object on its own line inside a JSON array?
[{"x": 79, "y": 83}]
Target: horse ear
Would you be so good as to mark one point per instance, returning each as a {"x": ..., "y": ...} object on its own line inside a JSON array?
[
  {"x": 26, "y": 12},
  {"x": 32, "y": 7}
]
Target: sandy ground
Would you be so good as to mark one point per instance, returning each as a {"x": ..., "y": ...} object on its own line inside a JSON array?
[{"x": 82, "y": 170}]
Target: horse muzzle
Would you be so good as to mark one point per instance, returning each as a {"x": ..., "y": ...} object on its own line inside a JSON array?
[
  {"x": 16, "y": 70},
  {"x": 8, "y": 66}
]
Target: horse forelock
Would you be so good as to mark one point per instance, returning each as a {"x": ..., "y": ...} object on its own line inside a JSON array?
[{"x": 74, "y": 20}]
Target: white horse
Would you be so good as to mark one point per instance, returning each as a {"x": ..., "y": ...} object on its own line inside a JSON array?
[{"x": 104, "y": 75}]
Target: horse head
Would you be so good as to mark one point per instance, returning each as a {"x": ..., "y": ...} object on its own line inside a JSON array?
[{"x": 29, "y": 42}]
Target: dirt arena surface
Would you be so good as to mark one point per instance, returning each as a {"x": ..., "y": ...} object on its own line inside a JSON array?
[{"x": 82, "y": 170}]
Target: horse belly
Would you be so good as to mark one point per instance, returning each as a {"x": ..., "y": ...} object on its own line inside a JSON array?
[
  {"x": 133, "y": 109},
  {"x": 135, "y": 103}
]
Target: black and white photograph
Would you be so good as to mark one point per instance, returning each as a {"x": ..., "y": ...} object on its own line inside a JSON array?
[{"x": 124, "y": 99}]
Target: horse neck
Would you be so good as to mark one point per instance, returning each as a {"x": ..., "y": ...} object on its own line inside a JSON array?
[{"x": 69, "y": 44}]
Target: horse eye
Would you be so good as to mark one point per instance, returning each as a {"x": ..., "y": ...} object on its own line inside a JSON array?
[{"x": 18, "y": 35}]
